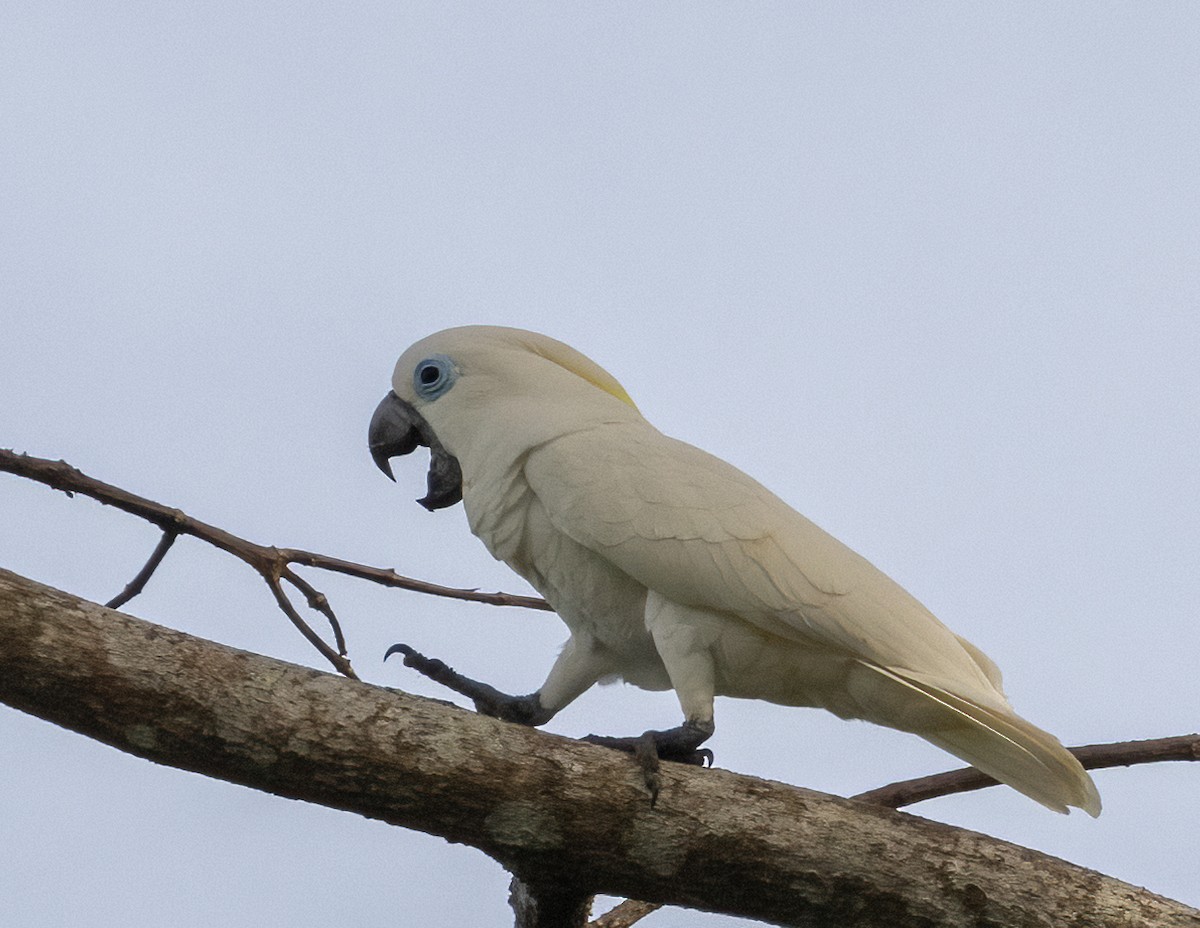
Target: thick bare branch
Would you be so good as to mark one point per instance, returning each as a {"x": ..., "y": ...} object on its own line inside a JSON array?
[
  {"x": 553, "y": 811},
  {"x": 907, "y": 792}
]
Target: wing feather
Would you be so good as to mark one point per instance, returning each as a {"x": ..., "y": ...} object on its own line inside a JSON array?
[
  {"x": 1005, "y": 746},
  {"x": 704, "y": 534}
]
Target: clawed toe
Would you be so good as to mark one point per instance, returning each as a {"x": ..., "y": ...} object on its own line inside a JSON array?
[
  {"x": 697, "y": 757},
  {"x": 680, "y": 745},
  {"x": 523, "y": 710}
]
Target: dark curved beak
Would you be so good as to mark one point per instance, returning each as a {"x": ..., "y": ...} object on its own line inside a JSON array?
[{"x": 397, "y": 429}]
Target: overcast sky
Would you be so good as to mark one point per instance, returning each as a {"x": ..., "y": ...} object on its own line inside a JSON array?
[{"x": 929, "y": 271}]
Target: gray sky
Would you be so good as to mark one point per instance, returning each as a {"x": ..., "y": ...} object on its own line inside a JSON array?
[{"x": 928, "y": 271}]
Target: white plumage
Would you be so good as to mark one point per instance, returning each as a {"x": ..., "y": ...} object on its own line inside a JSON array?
[{"x": 674, "y": 569}]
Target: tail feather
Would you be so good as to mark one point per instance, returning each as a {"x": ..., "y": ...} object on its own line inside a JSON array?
[{"x": 1003, "y": 745}]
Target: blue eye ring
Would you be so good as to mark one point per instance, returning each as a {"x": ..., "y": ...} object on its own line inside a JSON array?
[{"x": 434, "y": 376}]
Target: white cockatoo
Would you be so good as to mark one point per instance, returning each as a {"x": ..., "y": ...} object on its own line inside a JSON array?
[{"x": 673, "y": 569}]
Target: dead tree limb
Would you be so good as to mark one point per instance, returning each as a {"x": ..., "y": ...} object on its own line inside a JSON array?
[{"x": 553, "y": 811}]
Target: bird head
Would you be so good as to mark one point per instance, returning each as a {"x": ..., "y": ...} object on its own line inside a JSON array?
[{"x": 478, "y": 396}]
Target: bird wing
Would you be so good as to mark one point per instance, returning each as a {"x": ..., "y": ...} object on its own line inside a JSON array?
[{"x": 702, "y": 533}]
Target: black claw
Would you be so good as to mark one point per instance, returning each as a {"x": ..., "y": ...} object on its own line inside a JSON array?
[
  {"x": 701, "y": 757},
  {"x": 398, "y": 649},
  {"x": 430, "y": 667},
  {"x": 681, "y": 745},
  {"x": 646, "y": 755}
]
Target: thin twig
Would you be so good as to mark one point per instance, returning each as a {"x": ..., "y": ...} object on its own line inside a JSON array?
[
  {"x": 271, "y": 563},
  {"x": 138, "y": 583},
  {"x": 318, "y": 602},
  {"x": 385, "y": 576},
  {"x": 1091, "y": 756},
  {"x": 338, "y": 661}
]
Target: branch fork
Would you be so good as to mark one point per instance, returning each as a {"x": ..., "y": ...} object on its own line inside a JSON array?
[{"x": 273, "y": 564}]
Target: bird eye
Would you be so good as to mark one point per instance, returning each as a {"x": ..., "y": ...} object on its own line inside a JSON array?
[{"x": 434, "y": 376}]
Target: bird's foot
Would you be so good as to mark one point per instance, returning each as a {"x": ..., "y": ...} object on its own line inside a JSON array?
[
  {"x": 523, "y": 710},
  {"x": 681, "y": 745}
]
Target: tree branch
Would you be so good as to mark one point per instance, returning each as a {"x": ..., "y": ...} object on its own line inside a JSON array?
[
  {"x": 553, "y": 811},
  {"x": 275, "y": 565},
  {"x": 907, "y": 792},
  {"x": 271, "y": 563},
  {"x": 624, "y": 914},
  {"x": 1091, "y": 756},
  {"x": 138, "y": 583},
  {"x": 539, "y": 903}
]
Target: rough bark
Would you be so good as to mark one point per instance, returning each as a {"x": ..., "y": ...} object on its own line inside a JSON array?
[{"x": 553, "y": 811}]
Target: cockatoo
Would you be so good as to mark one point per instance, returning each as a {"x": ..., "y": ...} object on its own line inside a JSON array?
[{"x": 675, "y": 570}]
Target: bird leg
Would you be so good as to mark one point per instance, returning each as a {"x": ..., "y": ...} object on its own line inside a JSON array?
[
  {"x": 681, "y": 744},
  {"x": 523, "y": 710}
]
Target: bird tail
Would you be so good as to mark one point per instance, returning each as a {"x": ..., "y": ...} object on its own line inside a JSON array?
[{"x": 1003, "y": 745}]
